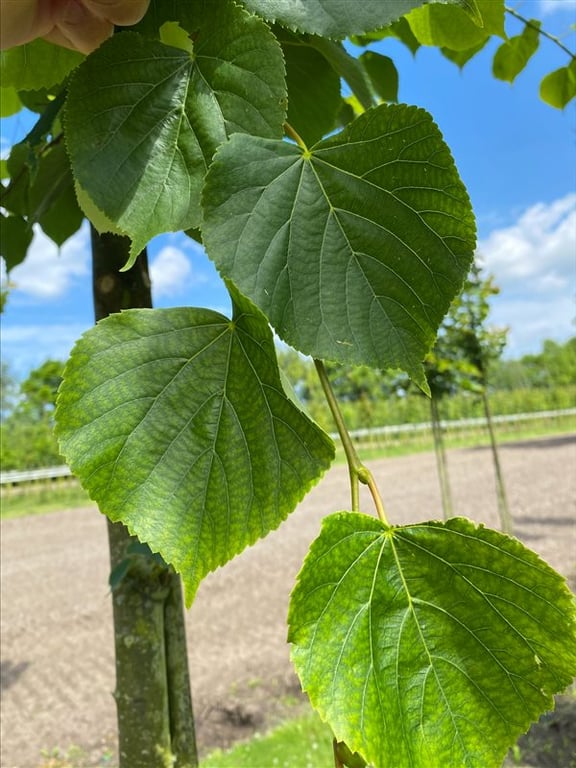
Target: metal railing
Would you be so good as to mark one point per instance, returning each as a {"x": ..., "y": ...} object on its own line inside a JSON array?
[
  {"x": 395, "y": 429},
  {"x": 16, "y": 477}
]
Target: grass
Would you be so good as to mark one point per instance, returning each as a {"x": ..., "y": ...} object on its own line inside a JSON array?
[
  {"x": 38, "y": 500},
  {"x": 304, "y": 742}
]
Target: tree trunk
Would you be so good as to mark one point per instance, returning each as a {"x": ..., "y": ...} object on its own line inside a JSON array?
[
  {"x": 441, "y": 463},
  {"x": 503, "y": 508},
  {"x": 154, "y": 704}
]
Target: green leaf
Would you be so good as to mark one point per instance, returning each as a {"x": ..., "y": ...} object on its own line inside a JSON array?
[
  {"x": 340, "y": 18},
  {"x": 446, "y": 27},
  {"x": 399, "y": 29},
  {"x": 429, "y": 645},
  {"x": 38, "y": 100},
  {"x": 14, "y": 196},
  {"x": 15, "y": 237},
  {"x": 37, "y": 65},
  {"x": 42, "y": 190},
  {"x": 313, "y": 90},
  {"x": 383, "y": 74},
  {"x": 461, "y": 58},
  {"x": 143, "y": 119},
  {"x": 513, "y": 55},
  {"x": 559, "y": 87},
  {"x": 354, "y": 249},
  {"x": 176, "y": 423},
  {"x": 10, "y": 104},
  {"x": 52, "y": 201},
  {"x": 346, "y": 67}
]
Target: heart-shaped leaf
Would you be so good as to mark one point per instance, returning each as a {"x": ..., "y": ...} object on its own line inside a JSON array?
[
  {"x": 559, "y": 87},
  {"x": 340, "y": 18},
  {"x": 353, "y": 249},
  {"x": 429, "y": 645},
  {"x": 176, "y": 423},
  {"x": 513, "y": 55},
  {"x": 143, "y": 118},
  {"x": 436, "y": 24}
]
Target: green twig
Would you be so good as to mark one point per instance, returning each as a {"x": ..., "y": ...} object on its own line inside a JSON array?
[
  {"x": 358, "y": 472},
  {"x": 542, "y": 32},
  {"x": 289, "y": 131}
]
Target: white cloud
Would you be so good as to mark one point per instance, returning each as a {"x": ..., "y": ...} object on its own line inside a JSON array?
[
  {"x": 534, "y": 264},
  {"x": 547, "y": 7},
  {"x": 48, "y": 272},
  {"x": 170, "y": 271},
  {"x": 28, "y": 346},
  {"x": 538, "y": 252}
]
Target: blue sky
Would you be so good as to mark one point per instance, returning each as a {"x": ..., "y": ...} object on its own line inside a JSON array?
[{"x": 516, "y": 155}]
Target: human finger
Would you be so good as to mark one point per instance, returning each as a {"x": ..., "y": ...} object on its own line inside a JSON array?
[
  {"x": 21, "y": 21},
  {"x": 120, "y": 12},
  {"x": 75, "y": 26}
]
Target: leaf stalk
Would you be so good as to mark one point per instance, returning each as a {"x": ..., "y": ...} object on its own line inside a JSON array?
[
  {"x": 541, "y": 31},
  {"x": 289, "y": 131},
  {"x": 359, "y": 473}
]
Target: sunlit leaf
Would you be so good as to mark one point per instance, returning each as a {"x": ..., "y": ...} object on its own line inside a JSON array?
[
  {"x": 37, "y": 65},
  {"x": 559, "y": 87},
  {"x": 353, "y": 249},
  {"x": 176, "y": 423},
  {"x": 452, "y": 28},
  {"x": 429, "y": 645},
  {"x": 513, "y": 55},
  {"x": 399, "y": 29},
  {"x": 9, "y": 102},
  {"x": 461, "y": 58}
]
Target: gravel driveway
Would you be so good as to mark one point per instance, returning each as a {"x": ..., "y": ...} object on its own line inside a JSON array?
[{"x": 56, "y": 622}]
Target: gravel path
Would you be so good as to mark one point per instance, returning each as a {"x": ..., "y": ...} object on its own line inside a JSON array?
[{"x": 56, "y": 625}]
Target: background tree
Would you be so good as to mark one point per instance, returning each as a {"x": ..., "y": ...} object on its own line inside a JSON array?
[
  {"x": 27, "y": 429},
  {"x": 556, "y": 364},
  {"x": 8, "y": 390},
  {"x": 482, "y": 346}
]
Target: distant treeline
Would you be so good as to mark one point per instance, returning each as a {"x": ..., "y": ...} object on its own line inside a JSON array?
[{"x": 368, "y": 398}]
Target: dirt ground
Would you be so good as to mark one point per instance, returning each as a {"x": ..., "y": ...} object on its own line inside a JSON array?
[{"x": 56, "y": 619}]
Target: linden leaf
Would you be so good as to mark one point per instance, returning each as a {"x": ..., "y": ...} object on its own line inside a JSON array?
[{"x": 429, "y": 645}]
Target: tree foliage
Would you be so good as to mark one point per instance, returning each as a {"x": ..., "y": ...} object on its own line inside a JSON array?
[
  {"x": 27, "y": 437},
  {"x": 351, "y": 247}
]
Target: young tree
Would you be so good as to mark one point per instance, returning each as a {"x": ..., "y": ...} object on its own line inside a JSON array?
[
  {"x": 209, "y": 117},
  {"x": 482, "y": 346}
]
